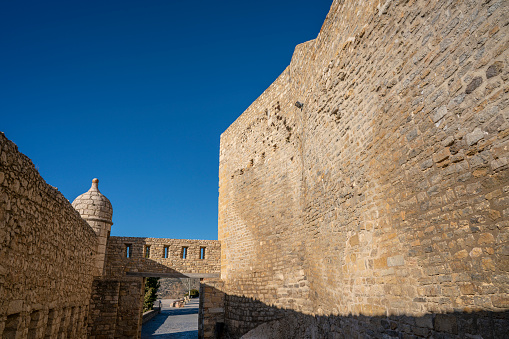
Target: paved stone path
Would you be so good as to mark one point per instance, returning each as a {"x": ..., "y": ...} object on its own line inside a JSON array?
[{"x": 175, "y": 323}]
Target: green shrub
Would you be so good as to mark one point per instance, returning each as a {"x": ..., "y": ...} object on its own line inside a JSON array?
[
  {"x": 151, "y": 287},
  {"x": 194, "y": 293}
]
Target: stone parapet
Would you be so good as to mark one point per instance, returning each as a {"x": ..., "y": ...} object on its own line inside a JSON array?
[{"x": 164, "y": 256}]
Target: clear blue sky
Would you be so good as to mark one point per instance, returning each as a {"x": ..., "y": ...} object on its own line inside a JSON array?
[{"x": 137, "y": 94}]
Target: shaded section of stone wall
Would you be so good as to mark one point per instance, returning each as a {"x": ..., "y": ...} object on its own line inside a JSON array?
[
  {"x": 387, "y": 193},
  {"x": 130, "y": 308},
  {"x": 116, "y": 308},
  {"x": 250, "y": 318},
  {"x": 212, "y": 309},
  {"x": 46, "y": 254},
  {"x": 118, "y": 263},
  {"x": 103, "y": 308},
  {"x": 449, "y": 325}
]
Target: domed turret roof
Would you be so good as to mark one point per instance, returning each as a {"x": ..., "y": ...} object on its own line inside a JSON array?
[{"x": 92, "y": 205}]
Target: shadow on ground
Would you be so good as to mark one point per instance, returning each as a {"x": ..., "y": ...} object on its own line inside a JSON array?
[
  {"x": 175, "y": 323},
  {"x": 179, "y": 335}
]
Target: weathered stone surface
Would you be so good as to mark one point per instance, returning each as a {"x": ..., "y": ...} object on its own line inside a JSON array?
[
  {"x": 389, "y": 209},
  {"x": 55, "y": 277},
  {"x": 476, "y": 82},
  {"x": 475, "y": 136},
  {"x": 117, "y": 262},
  {"x": 46, "y": 254},
  {"x": 494, "y": 69}
]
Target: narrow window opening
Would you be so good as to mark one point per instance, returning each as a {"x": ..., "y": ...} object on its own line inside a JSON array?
[
  {"x": 11, "y": 326},
  {"x": 202, "y": 252},
  {"x": 147, "y": 251},
  {"x": 128, "y": 249},
  {"x": 184, "y": 252},
  {"x": 166, "y": 251}
]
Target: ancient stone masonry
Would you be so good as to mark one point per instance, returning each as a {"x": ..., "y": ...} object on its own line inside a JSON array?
[
  {"x": 365, "y": 194},
  {"x": 162, "y": 257},
  {"x": 46, "y": 255},
  {"x": 62, "y": 275},
  {"x": 116, "y": 305},
  {"x": 385, "y": 194}
]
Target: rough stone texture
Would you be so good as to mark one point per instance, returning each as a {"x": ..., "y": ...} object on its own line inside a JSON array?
[
  {"x": 383, "y": 202},
  {"x": 211, "y": 313},
  {"x": 117, "y": 262},
  {"x": 375, "y": 207},
  {"x": 130, "y": 308},
  {"x": 93, "y": 204},
  {"x": 46, "y": 254},
  {"x": 116, "y": 306},
  {"x": 103, "y": 308}
]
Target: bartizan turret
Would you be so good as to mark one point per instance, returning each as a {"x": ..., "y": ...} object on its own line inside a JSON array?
[{"x": 97, "y": 211}]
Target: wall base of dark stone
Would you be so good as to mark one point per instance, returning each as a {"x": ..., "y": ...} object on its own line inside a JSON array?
[{"x": 292, "y": 324}]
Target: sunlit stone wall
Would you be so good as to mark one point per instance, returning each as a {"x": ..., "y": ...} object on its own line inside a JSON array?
[
  {"x": 386, "y": 194},
  {"x": 46, "y": 255}
]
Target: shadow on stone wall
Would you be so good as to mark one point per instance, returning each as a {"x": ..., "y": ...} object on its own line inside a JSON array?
[{"x": 255, "y": 319}]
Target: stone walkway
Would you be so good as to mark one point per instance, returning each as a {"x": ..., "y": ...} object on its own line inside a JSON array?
[{"x": 175, "y": 323}]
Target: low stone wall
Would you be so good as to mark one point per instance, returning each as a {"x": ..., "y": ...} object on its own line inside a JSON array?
[
  {"x": 118, "y": 262},
  {"x": 150, "y": 314},
  {"x": 46, "y": 254}
]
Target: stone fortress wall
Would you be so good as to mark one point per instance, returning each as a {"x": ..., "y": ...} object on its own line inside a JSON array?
[
  {"x": 47, "y": 255},
  {"x": 381, "y": 206}
]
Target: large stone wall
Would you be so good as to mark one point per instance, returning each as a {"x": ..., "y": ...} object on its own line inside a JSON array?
[
  {"x": 387, "y": 194},
  {"x": 46, "y": 255}
]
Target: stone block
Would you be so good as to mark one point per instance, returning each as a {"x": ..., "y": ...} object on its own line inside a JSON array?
[
  {"x": 397, "y": 260},
  {"x": 446, "y": 323}
]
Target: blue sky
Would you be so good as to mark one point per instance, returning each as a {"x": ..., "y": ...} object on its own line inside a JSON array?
[{"x": 137, "y": 94}]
